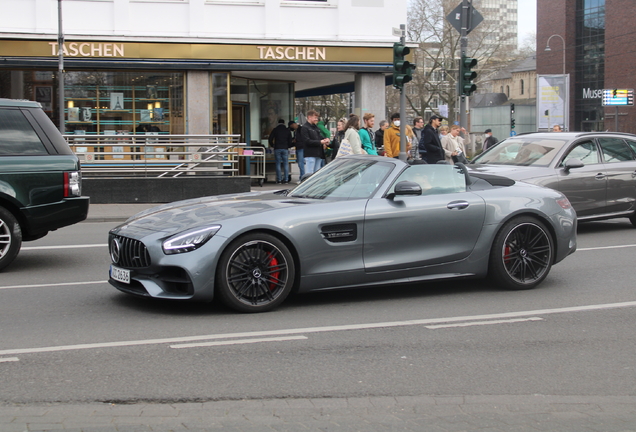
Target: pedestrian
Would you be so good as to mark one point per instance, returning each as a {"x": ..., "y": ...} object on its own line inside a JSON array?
[
  {"x": 352, "y": 134},
  {"x": 338, "y": 137},
  {"x": 418, "y": 127},
  {"x": 430, "y": 146},
  {"x": 443, "y": 131},
  {"x": 454, "y": 145},
  {"x": 489, "y": 140},
  {"x": 392, "y": 137},
  {"x": 379, "y": 134},
  {"x": 367, "y": 136},
  {"x": 313, "y": 142},
  {"x": 300, "y": 148},
  {"x": 557, "y": 128},
  {"x": 326, "y": 134},
  {"x": 281, "y": 139}
]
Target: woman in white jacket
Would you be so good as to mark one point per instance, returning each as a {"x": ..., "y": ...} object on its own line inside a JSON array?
[
  {"x": 353, "y": 136},
  {"x": 453, "y": 144}
]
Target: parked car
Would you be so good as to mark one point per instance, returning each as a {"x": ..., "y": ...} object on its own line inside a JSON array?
[
  {"x": 595, "y": 170},
  {"x": 359, "y": 221},
  {"x": 40, "y": 178}
]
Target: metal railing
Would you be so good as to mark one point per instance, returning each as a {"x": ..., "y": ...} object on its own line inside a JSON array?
[{"x": 157, "y": 155}]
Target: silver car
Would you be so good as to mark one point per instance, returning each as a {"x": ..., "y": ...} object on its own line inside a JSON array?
[
  {"x": 595, "y": 170},
  {"x": 359, "y": 221}
]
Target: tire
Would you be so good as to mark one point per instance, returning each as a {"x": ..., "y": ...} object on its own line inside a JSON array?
[
  {"x": 10, "y": 238},
  {"x": 632, "y": 219},
  {"x": 256, "y": 273},
  {"x": 522, "y": 254}
]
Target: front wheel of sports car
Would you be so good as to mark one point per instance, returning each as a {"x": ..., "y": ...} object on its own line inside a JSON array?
[
  {"x": 522, "y": 254},
  {"x": 256, "y": 273}
]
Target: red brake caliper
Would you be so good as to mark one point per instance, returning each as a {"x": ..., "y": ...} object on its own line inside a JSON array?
[
  {"x": 506, "y": 254},
  {"x": 273, "y": 263}
]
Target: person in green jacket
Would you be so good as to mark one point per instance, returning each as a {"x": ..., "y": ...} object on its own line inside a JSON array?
[{"x": 367, "y": 136}]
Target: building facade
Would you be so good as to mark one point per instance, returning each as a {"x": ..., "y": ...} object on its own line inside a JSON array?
[
  {"x": 194, "y": 66},
  {"x": 597, "y": 40}
]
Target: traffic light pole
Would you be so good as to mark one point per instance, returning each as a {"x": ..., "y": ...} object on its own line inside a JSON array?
[
  {"x": 463, "y": 118},
  {"x": 403, "y": 155}
]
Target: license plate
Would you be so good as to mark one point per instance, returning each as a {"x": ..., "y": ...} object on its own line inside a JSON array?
[{"x": 120, "y": 275}]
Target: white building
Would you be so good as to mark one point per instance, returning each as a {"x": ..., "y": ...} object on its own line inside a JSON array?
[{"x": 195, "y": 66}]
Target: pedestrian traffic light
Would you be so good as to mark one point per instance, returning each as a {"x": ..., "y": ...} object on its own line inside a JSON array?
[
  {"x": 467, "y": 75},
  {"x": 402, "y": 69},
  {"x": 512, "y": 123}
]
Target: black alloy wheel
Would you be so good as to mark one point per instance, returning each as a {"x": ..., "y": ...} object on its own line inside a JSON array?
[
  {"x": 10, "y": 237},
  {"x": 256, "y": 273},
  {"x": 522, "y": 254}
]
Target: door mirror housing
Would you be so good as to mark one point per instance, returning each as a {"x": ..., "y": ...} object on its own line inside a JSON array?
[
  {"x": 406, "y": 188},
  {"x": 573, "y": 163}
]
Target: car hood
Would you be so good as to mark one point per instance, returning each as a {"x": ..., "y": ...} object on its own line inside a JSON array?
[
  {"x": 519, "y": 173},
  {"x": 181, "y": 215}
]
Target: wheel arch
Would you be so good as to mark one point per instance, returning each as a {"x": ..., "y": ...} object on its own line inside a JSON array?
[{"x": 14, "y": 209}]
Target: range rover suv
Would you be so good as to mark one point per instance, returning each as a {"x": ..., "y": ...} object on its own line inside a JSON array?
[{"x": 40, "y": 178}]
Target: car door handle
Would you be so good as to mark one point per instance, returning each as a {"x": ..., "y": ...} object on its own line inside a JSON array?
[
  {"x": 600, "y": 176},
  {"x": 457, "y": 205}
]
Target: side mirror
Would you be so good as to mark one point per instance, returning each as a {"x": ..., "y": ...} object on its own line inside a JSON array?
[
  {"x": 572, "y": 163},
  {"x": 406, "y": 188}
]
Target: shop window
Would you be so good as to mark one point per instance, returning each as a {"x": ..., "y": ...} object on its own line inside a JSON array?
[
  {"x": 522, "y": 87},
  {"x": 219, "y": 103}
]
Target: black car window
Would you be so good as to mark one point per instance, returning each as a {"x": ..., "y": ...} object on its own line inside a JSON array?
[
  {"x": 632, "y": 144},
  {"x": 586, "y": 152},
  {"x": 17, "y": 136},
  {"x": 615, "y": 150}
]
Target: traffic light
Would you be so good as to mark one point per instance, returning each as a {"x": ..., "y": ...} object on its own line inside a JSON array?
[
  {"x": 402, "y": 69},
  {"x": 512, "y": 123},
  {"x": 512, "y": 109},
  {"x": 467, "y": 75}
]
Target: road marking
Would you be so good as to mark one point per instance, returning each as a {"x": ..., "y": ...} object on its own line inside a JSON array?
[
  {"x": 9, "y": 359},
  {"x": 63, "y": 247},
  {"x": 346, "y": 327},
  {"x": 239, "y": 342},
  {"x": 606, "y": 247},
  {"x": 52, "y": 285},
  {"x": 480, "y": 323}
]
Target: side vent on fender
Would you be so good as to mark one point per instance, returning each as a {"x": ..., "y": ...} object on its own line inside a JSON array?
[{"x": 340, "y": 233}]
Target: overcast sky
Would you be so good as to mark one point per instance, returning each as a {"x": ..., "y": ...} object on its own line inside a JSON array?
[{"x": 527, "y": 21}]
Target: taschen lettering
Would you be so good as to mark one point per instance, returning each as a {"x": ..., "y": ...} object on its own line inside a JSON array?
[
  {"x": 85, "y": 49},
  {"x": 292, "y": 53}
]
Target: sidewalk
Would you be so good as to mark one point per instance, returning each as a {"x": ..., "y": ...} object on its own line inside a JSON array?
[
  {"x": 479, "y": 413},
  {"x": 121, "y": 212}
]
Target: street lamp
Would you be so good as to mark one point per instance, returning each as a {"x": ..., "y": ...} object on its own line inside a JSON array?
[{"x": 547, "y": 48}]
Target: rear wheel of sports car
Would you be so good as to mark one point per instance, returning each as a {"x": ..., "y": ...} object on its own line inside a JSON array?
[
  {"x": 10, "y": 238},
  {"x": 522, "y": 254},
  {"x": 256, "y": 273}
]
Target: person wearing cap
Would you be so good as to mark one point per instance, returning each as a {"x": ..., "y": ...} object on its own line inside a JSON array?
[
  {"x": 490, "y": 140},
  {"x": 430, "y": 146}
]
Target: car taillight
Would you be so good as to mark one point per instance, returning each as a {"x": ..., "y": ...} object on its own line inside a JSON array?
[
  {"x": 564, "y": 203},
  {"x": 72, "y": 184}
]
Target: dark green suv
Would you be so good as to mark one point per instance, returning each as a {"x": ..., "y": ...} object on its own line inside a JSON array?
[{"x": 40, "y": 178}]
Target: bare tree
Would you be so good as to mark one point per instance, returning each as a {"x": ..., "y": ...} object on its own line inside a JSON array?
[{"x": 438, "y": 53}]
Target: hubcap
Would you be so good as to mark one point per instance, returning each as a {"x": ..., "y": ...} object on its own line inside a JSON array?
[
  {"x": 527, "y": 253},
  {"x": 257, "y": 273},
  {"x": 5, "y": 238}
]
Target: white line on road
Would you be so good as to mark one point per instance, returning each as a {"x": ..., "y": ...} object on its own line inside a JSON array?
[
  {"x": 63, "y": 247},
  {"x": 9, "y": 359},
  {"x": 480, "y": 323},
  {"x": 346, "y": 327},
  {"x": 606, "y": 247},
  {"x": 239, "y": 342},
  {"x": 51, "y": 285}
]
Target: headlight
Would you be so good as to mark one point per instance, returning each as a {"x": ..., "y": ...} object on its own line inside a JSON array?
[{"x": 190, "y": 240}]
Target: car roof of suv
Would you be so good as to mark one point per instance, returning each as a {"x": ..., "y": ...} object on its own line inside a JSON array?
[{"x": 19, "y": 103}]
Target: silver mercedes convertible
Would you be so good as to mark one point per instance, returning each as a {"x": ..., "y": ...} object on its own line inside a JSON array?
[{"x": 359, "y": 221}]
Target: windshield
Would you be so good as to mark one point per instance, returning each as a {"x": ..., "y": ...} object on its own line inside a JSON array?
[
  {"x": 344, "y": 179},
  {"x": 522, "y": 152}
]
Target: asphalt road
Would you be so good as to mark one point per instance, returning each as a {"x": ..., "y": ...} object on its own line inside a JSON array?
[{"x": 68, "y": 337}]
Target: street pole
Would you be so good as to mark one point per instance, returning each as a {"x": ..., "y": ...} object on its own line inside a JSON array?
[
  {"x": 463, "y": 120},
  {"x": 60, "y": 73},
  {"x": 403, "y": 155}
]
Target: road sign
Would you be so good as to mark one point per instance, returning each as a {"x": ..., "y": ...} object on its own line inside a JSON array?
[
  {"x": 513, "y": 133},
  {"x": 618, "y": 97},
  {"x": 398, "y": 32},
  {"x": 455, "y": 18}
]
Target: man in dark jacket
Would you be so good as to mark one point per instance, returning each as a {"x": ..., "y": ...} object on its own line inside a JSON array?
[
  {"x": 281, "y": 139},
  {"x": 313, "y": 141},
  {"x": 430, "y": 146},
  {"x": 490, "y": 140}
]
